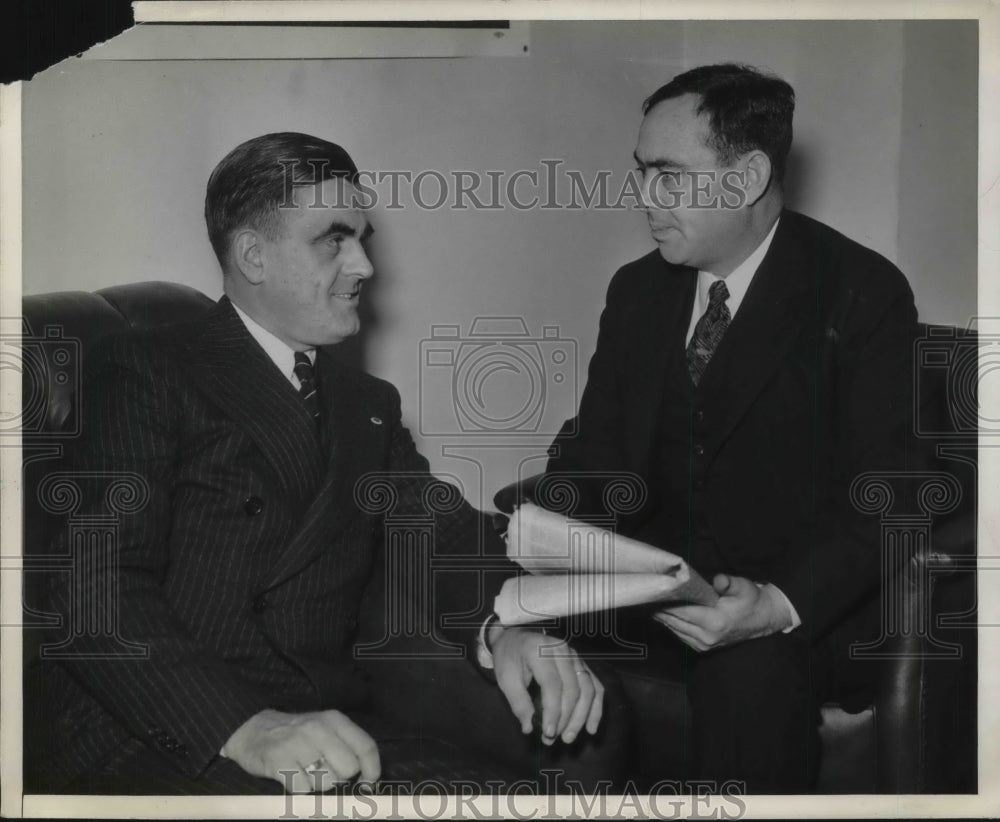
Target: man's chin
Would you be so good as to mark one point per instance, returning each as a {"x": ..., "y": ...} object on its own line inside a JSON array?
[
  {"x": 339, "y": 338},
  {"x": 342, "y": 332},
  {"x": 671, "y": 254}
]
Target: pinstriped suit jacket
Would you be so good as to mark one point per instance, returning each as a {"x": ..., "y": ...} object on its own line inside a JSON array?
[{"x": 244, "y": 572}]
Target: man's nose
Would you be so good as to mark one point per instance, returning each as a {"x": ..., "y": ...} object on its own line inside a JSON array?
[
  {"x": 649, "y": 179},
  {"x": 357, "y": 264}
]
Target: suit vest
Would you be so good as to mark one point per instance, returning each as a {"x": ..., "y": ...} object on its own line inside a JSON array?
[{"x": 680, "y": 474}]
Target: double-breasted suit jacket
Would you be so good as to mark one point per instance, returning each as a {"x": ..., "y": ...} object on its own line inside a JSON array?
[
  {"x": 750, "y": 472},
  {"x": 243, "y": 572}
]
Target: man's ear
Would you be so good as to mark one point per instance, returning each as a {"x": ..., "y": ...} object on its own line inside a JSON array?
[
  {"x": 758, "y": 176},
  {"x": 247, "y": 256}
]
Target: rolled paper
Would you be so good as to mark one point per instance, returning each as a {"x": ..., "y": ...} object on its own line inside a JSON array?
[
  {"x": 543, "y": 542},
  {"x": 526, "y": 599},
  {"x": 578, "y": 568}
]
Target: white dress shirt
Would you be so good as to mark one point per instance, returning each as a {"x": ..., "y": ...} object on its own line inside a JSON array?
[
  {"x": 737, "y": 283},
  {"x": 280, "y": 353}
]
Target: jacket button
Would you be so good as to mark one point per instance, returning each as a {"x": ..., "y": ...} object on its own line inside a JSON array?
[
  {"x": 259, "y": 604},
  {"x": 253, "y": 506},
  {"x": 699, "y": 450},
  {"x": 699, "y": 415}
]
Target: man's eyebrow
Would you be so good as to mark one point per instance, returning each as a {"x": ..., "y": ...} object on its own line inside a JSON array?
[
  {"x": 338, "y": 227},
  {"x": 656, "y": 162}
]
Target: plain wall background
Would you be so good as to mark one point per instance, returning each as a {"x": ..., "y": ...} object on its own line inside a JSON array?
[{"x": 116, "y": 156}]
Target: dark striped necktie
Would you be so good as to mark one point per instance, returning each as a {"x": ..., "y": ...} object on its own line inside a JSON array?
[
  {"x": 307, "y": 384},
  {"x": 709, "y": 330}
]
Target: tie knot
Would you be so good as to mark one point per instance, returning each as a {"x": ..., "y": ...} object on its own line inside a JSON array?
[
  {"x": 302, "y": 363},
  {"x": 717, "y": 293}
]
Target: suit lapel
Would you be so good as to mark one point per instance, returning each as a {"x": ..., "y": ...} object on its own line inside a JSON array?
[
  {"x": 349, "y": 441},
  {"x": 775, "y": 308},
  {"x": 666, "y": 314},
  {"x": 241, "y": 380}
]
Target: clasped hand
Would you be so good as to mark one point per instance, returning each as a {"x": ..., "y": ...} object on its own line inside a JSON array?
[
  {"x": 571, "y": 696},
  {"x": 744, "y": 611},
  {"x": 307, "y": 753}
]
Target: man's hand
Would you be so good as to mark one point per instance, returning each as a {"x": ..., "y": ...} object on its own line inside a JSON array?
[
  {"x": 307, "y": 753},
  {"x": 571, "y": 695},
  {"x": 744, "y": 611}
]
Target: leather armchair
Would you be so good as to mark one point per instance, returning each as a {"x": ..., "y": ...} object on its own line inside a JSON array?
[
  {"x": 58, "y": 330},
  {"x": 914, "y": 729}
]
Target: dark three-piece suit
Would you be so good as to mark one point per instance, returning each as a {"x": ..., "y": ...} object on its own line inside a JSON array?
[
  {"x": 750, "y": 472},
  {"x": 242, "y": 572}
]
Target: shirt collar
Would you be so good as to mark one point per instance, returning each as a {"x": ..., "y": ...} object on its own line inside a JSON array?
[
  {"x": 739, "y": 280},
  {"x": 279, "y": 352}
]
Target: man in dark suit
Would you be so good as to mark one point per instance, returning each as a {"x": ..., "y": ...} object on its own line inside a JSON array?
[
  {"x": 242, "y": 566},
  {"x": 747, "y": 370}
]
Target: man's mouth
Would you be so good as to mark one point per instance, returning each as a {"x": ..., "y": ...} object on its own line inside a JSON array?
[
  {"x": 661, "y": 230},
  {"x": 348, "y": 295}
]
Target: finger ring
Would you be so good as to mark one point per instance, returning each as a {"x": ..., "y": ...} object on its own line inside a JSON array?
[
  {"x": 583, "y": 671},
  {"x": 317, "y": 765}
]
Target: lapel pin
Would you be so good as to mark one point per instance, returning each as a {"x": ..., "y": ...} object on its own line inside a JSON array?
[{"x": 377, "y": 420}]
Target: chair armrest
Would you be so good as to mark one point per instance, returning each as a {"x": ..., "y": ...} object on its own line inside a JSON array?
[
  {"x": 899, "y": 702},
  {"x": 953, "y": 540},
  {"x": 921, "y": 677}
]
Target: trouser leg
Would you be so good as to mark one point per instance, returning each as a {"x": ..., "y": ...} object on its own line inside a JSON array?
[{"x": 755, "y": 715}]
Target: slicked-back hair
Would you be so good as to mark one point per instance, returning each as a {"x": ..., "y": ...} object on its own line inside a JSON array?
[
  {"x": 747, "y": 110},
  {"x": 257, "y": 177}
]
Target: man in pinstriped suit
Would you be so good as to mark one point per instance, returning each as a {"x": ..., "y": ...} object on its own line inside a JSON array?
[{"x": 244, "y": 573}]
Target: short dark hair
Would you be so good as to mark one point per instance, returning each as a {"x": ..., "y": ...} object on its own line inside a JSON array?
[
  {"x": 255, "y": 178},
  {"x": 747, "y": 110}
]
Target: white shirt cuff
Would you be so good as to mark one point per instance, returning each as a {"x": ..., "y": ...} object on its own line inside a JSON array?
[
  {"x": 796, "y": 620},
  {"x": 483, "y": 654}
]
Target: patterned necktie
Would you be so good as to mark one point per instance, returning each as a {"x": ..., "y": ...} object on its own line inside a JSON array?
[
  {"x": 307, "y": 384},
  {"x": 709, "y": 330}
]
